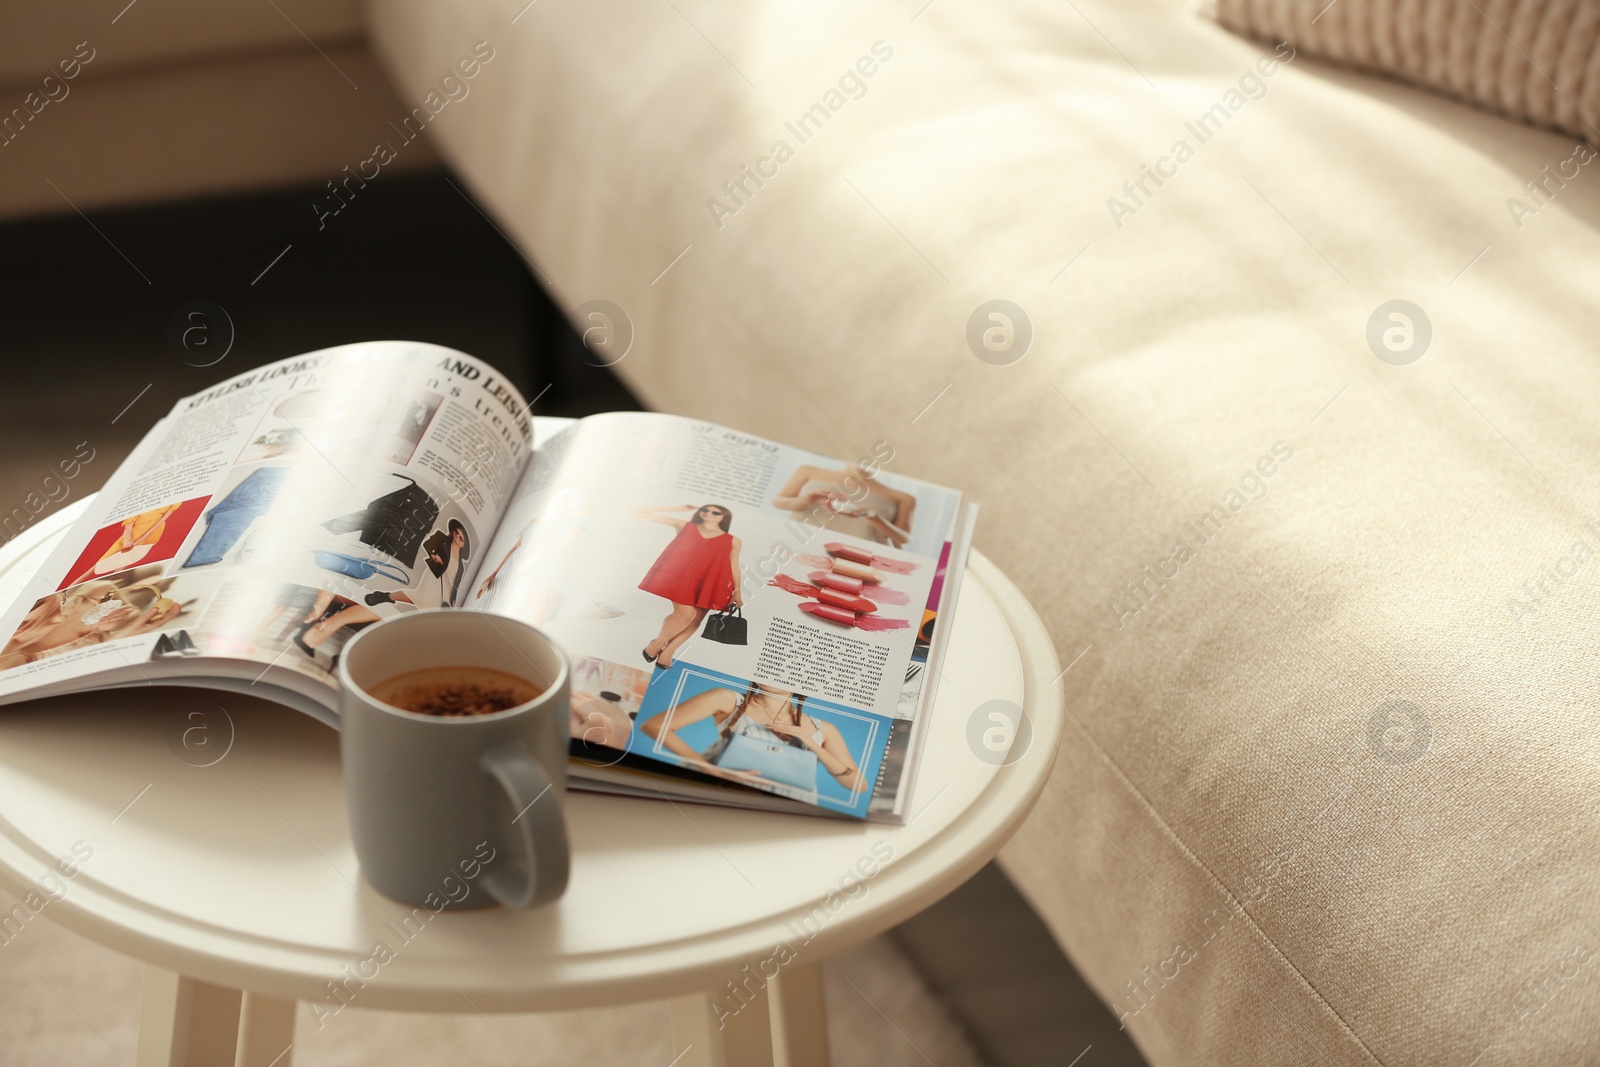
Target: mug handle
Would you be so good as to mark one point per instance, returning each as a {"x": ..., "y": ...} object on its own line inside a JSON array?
[{"x": 544, "y": 831}]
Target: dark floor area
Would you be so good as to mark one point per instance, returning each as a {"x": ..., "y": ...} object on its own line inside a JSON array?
[
  {"x": 993, "y": 961},
  {"x": 92, "y": 314}
]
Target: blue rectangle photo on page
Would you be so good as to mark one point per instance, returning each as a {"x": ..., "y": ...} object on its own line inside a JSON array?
[{"x": 785, "y": 743}]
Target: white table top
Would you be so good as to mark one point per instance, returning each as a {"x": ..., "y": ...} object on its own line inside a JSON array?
[{"x": 242, "y": 873}]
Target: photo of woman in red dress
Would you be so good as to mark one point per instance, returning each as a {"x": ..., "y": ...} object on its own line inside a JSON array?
[{"x": 697, "y": 571}]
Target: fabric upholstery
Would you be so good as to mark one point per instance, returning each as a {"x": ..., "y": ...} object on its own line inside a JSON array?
[
  {"x": 186, "y": 98},
  {"x": 1537, "y": 61},
  {"x": 146, "y": 33},
  {"x": 1241, "y": 823},
  {"x": 242, "y": 123}
]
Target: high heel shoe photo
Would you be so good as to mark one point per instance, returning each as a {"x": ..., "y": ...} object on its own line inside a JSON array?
[{"x": 648, "y": 658}]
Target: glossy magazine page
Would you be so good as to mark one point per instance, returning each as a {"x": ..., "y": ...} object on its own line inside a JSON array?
[
  {"x": 735, "y": 608},
  {"x": 265, "y": 521}
]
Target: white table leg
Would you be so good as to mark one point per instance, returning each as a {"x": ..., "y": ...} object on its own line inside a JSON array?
[
  {"x": 266, "y": 1032},
  {"x": 186, "y": 1023},
  {"x": 706, "y": 1037},
  {"x": 799, "y": 1017}
]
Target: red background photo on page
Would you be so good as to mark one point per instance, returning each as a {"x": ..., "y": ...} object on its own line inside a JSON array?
[{"x": 152, "y": 536}]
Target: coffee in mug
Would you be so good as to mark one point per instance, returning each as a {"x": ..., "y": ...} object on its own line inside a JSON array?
[
  {"x": 455, "y": 691},
  {"x": 454, "y": 749}
]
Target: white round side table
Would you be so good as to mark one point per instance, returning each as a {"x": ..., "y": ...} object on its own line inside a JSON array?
[{"x": 237, "y": 885}]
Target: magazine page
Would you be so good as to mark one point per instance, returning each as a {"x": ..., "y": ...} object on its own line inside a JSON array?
[
  {"x": 630, "y": 535},
  {"x": 265, "y": 521}
]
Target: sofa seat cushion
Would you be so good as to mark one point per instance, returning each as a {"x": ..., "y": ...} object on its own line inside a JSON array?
[
  {"x": 1321, "y": 565},
  {"x": 240, "y": 124},
  {"x": 124, "y": 35}
]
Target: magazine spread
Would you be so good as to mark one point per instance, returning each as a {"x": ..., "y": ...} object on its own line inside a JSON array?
[{"x": 748, "y": 623}]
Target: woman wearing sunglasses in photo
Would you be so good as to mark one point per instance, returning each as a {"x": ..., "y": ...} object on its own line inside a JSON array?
[{"x": 696, "y": 572}]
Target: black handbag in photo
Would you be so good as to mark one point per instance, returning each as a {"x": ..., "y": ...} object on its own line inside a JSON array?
[{"x": 727, "y": 627}]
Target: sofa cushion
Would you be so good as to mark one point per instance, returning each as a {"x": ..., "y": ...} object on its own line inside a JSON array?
[
  {"x": 240, "y": 124},
  {"x": 126, "y": 35},
  {"x": 1328, "y": 790},
  {"x": 1535, "y": 61}
]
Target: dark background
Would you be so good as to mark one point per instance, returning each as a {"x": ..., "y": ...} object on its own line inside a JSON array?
[{"x": 85, "y": 307}]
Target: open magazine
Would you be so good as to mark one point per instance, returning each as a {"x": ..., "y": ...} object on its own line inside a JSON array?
[{"x": 748, "y": 624}]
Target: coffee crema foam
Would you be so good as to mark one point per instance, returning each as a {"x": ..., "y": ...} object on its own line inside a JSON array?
[{"x": 455, "y": 692}]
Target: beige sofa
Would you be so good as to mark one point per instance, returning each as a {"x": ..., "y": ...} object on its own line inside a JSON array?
[{"x": 1329, "y": 789}]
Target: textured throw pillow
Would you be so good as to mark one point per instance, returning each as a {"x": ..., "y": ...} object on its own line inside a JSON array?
[{"x": 1533, "y": 60}]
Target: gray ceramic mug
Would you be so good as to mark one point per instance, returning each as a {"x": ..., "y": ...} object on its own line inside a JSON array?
[{"x": 437, "y": 804}]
